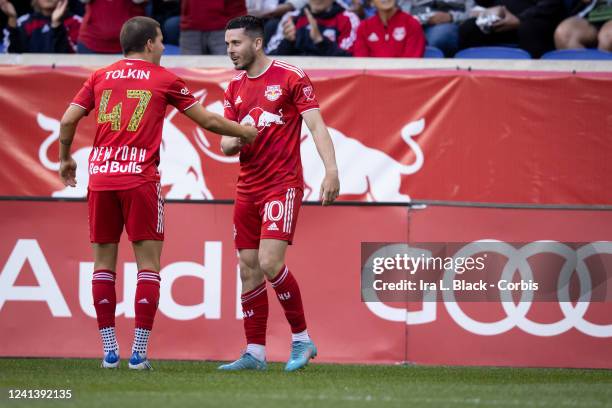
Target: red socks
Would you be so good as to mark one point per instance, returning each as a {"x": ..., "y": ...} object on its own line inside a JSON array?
[
  {"x": 104, "y": 298},
  {"x": 255, "y": 307},
  {"x": 255, "y": 314},
  {"x": 288, "y": 292},
  {"x": 147, "y": 298}
]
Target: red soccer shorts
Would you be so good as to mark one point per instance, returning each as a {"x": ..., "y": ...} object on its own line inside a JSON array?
[
  {"x": 273, "y": 217},
  {"x": 140, "y": 209}
]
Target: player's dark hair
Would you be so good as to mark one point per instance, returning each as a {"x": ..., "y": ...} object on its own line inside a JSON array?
[
  {"x": 136, "y": 32},
  {"x": 253, "y": 26}
]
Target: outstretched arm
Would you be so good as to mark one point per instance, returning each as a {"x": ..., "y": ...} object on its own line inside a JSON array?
[
  {"x": 330, "y": 187},
  {"x": 68, "y": 125},
  {"x": 218, "y": 124}
]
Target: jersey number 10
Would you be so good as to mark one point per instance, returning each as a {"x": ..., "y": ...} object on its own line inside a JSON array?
[{"x": 114, "y": 116}]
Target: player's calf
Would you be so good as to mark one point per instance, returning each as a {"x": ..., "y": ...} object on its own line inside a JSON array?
[
  {"x": 145, "y": 307},
  {"x": 104, "y": 297},
  {"x": 255, "y": 319},
  {"x": 290, "y": 298}
]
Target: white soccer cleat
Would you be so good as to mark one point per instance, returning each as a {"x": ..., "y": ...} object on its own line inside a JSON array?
[
  {"x": 138, "y": 362},
  {"x": 110, "y": 360}
]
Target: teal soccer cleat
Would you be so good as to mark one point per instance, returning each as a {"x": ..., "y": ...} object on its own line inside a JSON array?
[
  {"x": 110, "y": 360},
  {"x": 246, "y": 362},
  {"x": 138, "y": 362},
  {"x": 301, "y": 353}
]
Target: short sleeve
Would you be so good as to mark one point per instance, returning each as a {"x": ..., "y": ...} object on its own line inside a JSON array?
[
  {"x": 85, "y": 98},
  {"x": 179, "y": 96},
  {"x": 303, "y": 94},
  {"x": 228, "y": 107}
]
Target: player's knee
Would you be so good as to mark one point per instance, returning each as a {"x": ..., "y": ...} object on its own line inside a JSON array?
[
  {"x": 248, "y": 263},
  {"x": 249, "y": 270},
  {"x": 270, "y": 265}
]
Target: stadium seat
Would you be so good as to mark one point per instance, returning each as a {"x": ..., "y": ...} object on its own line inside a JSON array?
[
  {"x": 578, "y": 54},
  {"x": 171, "y": 49},
  {"x": 493, "y": 53},
  {"x": 433, "y": 52}
]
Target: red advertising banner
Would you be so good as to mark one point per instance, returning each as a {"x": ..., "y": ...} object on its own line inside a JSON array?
[
  {"x": 515, "y": 137},
  {"x": 46, "y": 267},
  {"x": 560, "y": 334},
  {"x": 45, "y": 284}
]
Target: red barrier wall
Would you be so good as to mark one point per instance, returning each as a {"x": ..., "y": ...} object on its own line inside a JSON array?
[{"x": 45, "y": 289}]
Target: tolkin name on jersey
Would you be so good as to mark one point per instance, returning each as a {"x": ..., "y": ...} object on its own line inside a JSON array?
[{"x": 128, "y": 73}]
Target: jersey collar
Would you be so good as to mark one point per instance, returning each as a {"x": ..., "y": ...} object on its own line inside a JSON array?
[{"x": 263, "y": 72}]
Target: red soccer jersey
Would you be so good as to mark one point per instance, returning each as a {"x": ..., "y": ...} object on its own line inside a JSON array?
[
  {"x": 130, "y": 97},
  {"x": 273, "y": 102},
  {"x": 402, "y": 37},
  {"x": 210, "y": 15},
  {"x": 102, "y": 23}
]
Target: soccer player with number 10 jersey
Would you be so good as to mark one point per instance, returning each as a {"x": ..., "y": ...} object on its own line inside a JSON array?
[{"x": 275, "y": 97}]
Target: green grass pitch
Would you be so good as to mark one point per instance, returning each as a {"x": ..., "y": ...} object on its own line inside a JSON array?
[{"x": 198, "y": 384}]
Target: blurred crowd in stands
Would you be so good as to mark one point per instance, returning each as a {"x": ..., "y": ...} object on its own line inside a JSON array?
[{"x": 360, "y": 28}]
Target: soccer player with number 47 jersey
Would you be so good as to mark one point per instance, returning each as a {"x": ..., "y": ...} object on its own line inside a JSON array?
[
  {"x": 129, "y": 99},
  {"x": 273, "y": 96}
]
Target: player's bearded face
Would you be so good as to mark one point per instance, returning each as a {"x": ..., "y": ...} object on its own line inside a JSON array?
[
  {"x": 247, "y": 57},
  {"x": 241, "y": 48}
]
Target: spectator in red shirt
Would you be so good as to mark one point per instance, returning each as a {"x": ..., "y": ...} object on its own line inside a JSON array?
[
  {"x": 102, "y": 23},
  {"x": 203, "y": 25},
  {"x": 390, "y": 33}
]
